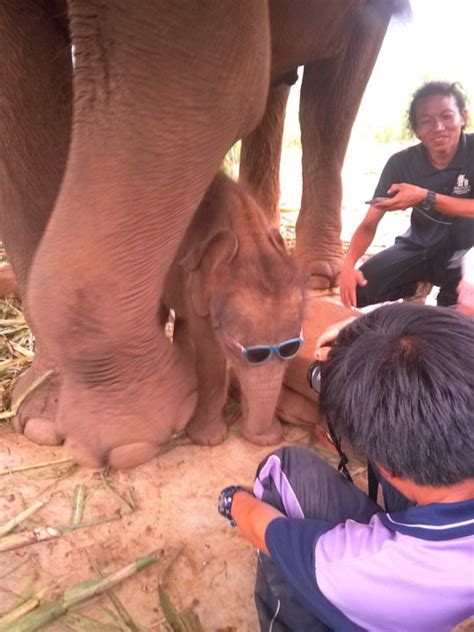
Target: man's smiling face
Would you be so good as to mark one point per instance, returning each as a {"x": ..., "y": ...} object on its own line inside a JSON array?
[{"x": 439, "y": 123}]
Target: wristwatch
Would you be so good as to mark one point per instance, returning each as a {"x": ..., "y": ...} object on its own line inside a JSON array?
[
  {"x": 224, "y": 505},
  {"x": 429, "y": 202}
]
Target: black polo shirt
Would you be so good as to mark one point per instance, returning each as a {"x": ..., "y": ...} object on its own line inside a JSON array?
[{"x": 413, "y": 166}]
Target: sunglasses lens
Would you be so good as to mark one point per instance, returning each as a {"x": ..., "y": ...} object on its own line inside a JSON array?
[
  {"x": 289, "y": 349},
  {"x": 256, "y": 355}
]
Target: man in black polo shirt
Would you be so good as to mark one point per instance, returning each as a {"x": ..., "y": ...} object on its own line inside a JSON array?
[{"x": 436, "y": 179}]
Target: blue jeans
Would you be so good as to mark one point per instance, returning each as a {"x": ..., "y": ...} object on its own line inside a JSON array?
[{"x": 395, "y": 272}]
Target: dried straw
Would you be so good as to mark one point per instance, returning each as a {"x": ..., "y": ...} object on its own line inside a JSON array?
[{"x": 16, "y": 346}]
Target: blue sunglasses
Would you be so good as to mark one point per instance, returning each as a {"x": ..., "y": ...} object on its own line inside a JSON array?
[{"x": 259, "y": 354}]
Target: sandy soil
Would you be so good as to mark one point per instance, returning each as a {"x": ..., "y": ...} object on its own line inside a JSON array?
[{"x": 204, "y": 563}]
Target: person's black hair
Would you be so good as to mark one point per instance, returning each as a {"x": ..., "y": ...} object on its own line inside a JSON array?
[
  {"x": 399, "y": 386},
  {"x": 436, "y": 87}
]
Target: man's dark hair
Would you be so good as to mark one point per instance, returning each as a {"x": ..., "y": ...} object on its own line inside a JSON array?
[
  {"x": 436, "y": 87},
  {"x": 399, "y": 386}
]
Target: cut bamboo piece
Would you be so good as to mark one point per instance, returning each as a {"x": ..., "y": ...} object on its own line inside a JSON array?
[
  {"x": 18, "y": 612},
  {"x": 78, "y": 504},
  {"x": 76, "y": 595},
  {"x": 41, "y": 534},
  {"x": 25, "y": 607},
  {"x": 18, "y": 519},
  {"x": 122, "y": 612}
]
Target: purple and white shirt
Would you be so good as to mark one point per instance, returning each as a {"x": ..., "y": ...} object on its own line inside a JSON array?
[{"x": 407, "y": 571}]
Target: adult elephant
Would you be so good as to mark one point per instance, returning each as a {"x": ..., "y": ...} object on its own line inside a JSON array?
[
  {"x": 102, "y": 168},
  {"x": 338, "y": 43}
]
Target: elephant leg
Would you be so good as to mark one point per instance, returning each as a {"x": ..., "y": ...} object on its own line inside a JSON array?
[
  {"x": 261, "y": 152},
  {"x": 36, "y": 85},
  {"x": 158, "y": 94},
  {"x": 207, "y": 425},
  {"x": 330, "y": 97}
]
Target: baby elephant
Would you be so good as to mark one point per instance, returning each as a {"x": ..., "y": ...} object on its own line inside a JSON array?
[{"x": 238, "y": 298}]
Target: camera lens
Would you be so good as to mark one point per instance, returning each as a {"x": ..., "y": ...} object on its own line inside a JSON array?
[{"x": 314, "y": 377}]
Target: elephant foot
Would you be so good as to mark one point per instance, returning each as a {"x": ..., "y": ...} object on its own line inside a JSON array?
[
  {"x": 42, "y": 431},
  {"x": 269, "y": 436},
  {"x": 322, "y": 275},
  {"x": 119, "y": 458},
  {"x": 205, "y": 431},
  {"x": 124, "y": 427},
  {"x": 122, "y": 440},
  {"x": 36, "y": 414},
  {"x": 131, "y": 455}
]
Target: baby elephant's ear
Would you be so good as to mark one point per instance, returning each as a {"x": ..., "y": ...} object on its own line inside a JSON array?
[
  {"x": 217, "y": 250},
  {"x": 220, "y": 245}
]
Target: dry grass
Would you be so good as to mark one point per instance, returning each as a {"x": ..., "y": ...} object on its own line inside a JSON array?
[{"x": 16, "y": 348}]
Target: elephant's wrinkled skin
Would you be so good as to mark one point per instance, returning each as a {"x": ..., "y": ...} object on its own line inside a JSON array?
[
  {"x": 233, "y": 277},
  {"x": 338, "y": 43},
  {"x": 102, "y": 168}
]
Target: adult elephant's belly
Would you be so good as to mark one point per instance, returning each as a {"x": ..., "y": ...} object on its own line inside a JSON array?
[{"x": 294, "y": 44}]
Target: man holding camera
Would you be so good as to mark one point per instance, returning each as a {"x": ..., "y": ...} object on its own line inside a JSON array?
[
  {"x": 398, "y": 384},
  {"x": 436, "y": 179}
]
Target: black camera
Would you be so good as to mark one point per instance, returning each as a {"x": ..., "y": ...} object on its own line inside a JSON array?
[{"x": 314, "y": 376}]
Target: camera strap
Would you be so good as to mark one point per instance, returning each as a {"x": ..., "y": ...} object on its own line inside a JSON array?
[
  {"x": 343, "y": 460},
  {"x": 372, "y": 481}
]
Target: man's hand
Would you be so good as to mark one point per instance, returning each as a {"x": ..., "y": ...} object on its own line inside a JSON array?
[
  {"x": 329, "y": 335},
  {"x": 404, "y": 196},
  {"x": 350, "y": 279},
  {"x": 252, "y": 517}
]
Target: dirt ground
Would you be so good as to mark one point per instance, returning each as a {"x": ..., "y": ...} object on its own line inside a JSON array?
[{"x": 203, "y": 564}]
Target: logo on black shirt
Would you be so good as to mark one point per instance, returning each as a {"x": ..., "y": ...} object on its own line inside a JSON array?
[{"x": 462, "y": 186}]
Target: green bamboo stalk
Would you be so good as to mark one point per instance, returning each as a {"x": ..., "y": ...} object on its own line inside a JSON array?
[
  {"x": 170, "y": 612},
  {"x": 18, "y": 612},
  {"x": 78, "y": 504},
  {"x": 119, "y": 607},
  {"x": 25, "y": 607},
  {"x": 90, "y": 588},
  {"x": 76, "y": 595},
  {"x": 36, "y": 619}
]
